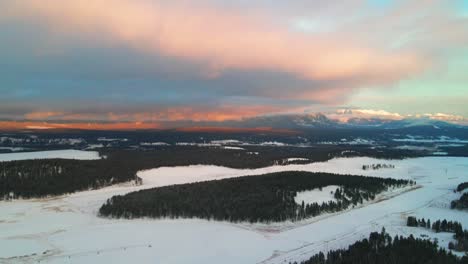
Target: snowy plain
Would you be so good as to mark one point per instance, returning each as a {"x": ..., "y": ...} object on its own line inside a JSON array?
[
  {"x": 325, "y": 195},
  {"x": 51, "y": 154},
  {"x": 66, "y": 229}
]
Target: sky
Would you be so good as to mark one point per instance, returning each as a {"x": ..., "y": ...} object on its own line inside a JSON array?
[{"x": 150, "y": 61}]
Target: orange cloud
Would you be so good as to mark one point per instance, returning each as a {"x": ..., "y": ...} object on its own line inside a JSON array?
[
  {"x": 194, "y": 113},
  {"x": 220, "y": 39},
  {"x": 21, "y": 125}
]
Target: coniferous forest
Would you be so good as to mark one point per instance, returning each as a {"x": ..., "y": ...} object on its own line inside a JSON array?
[
  {"x": 462, "y": 186},
  {"x": 40, "y": 178},
  {"x": 460, "y": 235},
  {"x": 461, "y": 203},
  {"x": 263, "y": 198},
  {"x": 381, "y": 248}
]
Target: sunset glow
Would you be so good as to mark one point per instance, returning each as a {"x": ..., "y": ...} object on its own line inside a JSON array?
[{"x": 146, "y": 61}]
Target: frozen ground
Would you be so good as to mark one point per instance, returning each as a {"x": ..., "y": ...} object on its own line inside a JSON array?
[
  {"x": 51, "y": 154},
  {"x": 316, "y": 195},
  {"x": 66, "y": 230}
]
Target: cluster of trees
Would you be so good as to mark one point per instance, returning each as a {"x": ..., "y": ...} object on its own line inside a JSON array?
[
  {"x": 462, "y": 186},
  {"x": 414, "y": 222},
  {"x": 381, "y": 248},
  {"x": 460, "y": 235},
  {"x": 437, "y": 226},
  {"x": 263, "y": 198},
  {"x": 461, "y": 203},
  {"x": 378, "y": 166},
  {"x": 40, "y": 178}
]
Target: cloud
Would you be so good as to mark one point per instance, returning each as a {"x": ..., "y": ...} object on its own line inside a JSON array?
[
  {"x": 174, "y": 56},
  {"x": 345, "y": 114},
  {"x": 447, "y": 117},
  {"x": 35, "y": 125},
  {"x": 42, "y": 115},
  {"x": 220, "y": 39},
  {"x": 208, "y": 113}
]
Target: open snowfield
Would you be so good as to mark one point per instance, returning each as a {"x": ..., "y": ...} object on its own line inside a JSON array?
[
  {"x": 317, "y": 196},
  {"x": 51, "y": 154},
  {"x": 66, "y": 229}
]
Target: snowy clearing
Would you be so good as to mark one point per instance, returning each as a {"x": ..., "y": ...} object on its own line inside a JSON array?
[
  {"x": 317, "y": 196},
  {"x": 51, "y": 154},
  {"x": 66, "y": 229},
  {"x": 233, "y": 148},
  {"x": 441, "y": 139},
  {"x": 13, "y": 149},
  {"x": 154, "y": 144},
  {"x": 296, "y": 159}
]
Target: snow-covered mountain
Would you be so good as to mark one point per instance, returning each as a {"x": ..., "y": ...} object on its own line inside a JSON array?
[
  {"x": 290, "y": 121},
  {"x": 398, "y": 124},
  {"x": 319, "y": 120}
]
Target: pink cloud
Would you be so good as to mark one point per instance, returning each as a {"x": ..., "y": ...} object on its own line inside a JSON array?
[{"x": 221, "y": 39}]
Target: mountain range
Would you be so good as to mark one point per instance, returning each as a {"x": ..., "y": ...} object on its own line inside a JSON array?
[{"x": 321, "y": 121}]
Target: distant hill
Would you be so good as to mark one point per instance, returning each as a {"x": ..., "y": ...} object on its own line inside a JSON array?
[{"x": 318, "y": 120}]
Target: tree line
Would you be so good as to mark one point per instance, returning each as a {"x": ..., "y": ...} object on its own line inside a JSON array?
[
  {"x": 460, "y": 235},
  {"x": 462, "y": 186},
  {"x": 382, "y": 249},
  {"x": 462, "y": 202},
  {"x": 378, "y": 166},
  {"x": 263, "y": 198},
  {"x": 41, "y": 178}
]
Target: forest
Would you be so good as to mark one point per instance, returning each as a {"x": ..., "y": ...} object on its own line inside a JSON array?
[
  {"x": 378, "y": 166},
  {"x": 462, "y": 186},
  {"x": 460, "y": 234},
  {"x": 41, "y": 178},
  {"x": 383, "y": 249},
  {"x": 461, "y": 203},
  {"x": 263, "y": 198}
]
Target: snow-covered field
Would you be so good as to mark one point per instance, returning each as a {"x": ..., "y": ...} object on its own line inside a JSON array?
[
  {"x": 51, "y": 154},
  {"x": 324, "y": 195},
  {"x": 66, "y": 229}
]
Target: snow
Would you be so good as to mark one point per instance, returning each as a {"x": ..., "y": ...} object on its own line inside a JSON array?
[
  {"x": 226, "y": 142},
  {"x": 440, "y": 153},
  {"x": 51, "y": 154},
  {"x": 154, "y": 144},
  {"x": 317, "y": 196},
  {"x": 296, "y": 159},
  {"x": 197, "y": 144},
  {"x": 273, "y": 143},
  {"x": 112, "y": 139},
  {"x": 410, "y": 147},
  {"x": 441, "y": 139},
  {"x": 348, "y": 152},
  {"x": 13, "y": 149},
  {"x": 94, "y": 146},
  {"x": 66, "y": 229},
  {"x": 453, "y": 145},
  {"x": 344, "y": 141},
  {"x": 36, "y": 139},
  {"x": 233, "y": 148}
]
